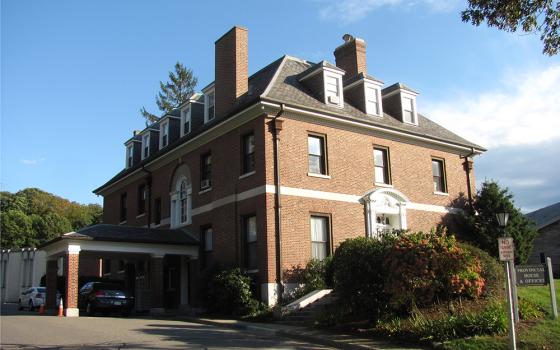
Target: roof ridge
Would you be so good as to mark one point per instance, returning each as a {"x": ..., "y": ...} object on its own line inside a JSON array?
[{"x": 275, "y": 76}]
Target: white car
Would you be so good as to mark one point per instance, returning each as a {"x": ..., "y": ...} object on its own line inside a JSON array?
[{"x": 32, "y": 297}]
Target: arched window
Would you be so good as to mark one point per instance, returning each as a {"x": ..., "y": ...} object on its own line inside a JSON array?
[
  {"x": 181, "y": 197},
  {"x": 183, "y": 200}
]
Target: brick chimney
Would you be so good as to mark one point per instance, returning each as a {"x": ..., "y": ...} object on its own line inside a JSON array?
[
  {"x": 351, "y": 56},
  {"x": 231, "y": 69}
]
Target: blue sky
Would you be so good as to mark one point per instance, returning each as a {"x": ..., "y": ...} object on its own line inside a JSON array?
[{"x": 75, "y": 73}]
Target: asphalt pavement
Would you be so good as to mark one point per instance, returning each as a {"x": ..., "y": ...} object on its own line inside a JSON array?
[{"x": 28, "y": 330}]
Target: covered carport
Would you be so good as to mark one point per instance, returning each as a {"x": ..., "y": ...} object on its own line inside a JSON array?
[{"x": 156, "y": 265}]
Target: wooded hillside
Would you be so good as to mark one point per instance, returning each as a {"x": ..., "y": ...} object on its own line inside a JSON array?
[{"x": 31, "y": 217}]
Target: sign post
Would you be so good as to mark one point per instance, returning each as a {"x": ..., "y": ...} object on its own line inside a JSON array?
[
  {"x": 552, "y": 289},
  {"x": 505, "y": 250}
]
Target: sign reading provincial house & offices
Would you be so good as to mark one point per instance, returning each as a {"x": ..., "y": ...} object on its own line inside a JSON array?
[{"x": 531, "y": 275}]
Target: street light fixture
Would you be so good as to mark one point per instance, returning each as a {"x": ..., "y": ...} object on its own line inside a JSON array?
[{"x": 502, "y": 219}]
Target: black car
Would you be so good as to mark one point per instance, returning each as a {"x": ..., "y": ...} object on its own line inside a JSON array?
[{"x": 105, "y": 297}]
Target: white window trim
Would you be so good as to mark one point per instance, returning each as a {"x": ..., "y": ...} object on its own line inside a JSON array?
[
  {"x": 130, "y": 147},
  {"x": 186, "y": 113},
  {"x": 247, "y": 174},
  {"x": 162, "y": 127},
  {"x": 145, "y": 139},
  {"x": 206, "y": 94},
  {"x": 322, "y": 176},
  {"x": 414, "y": 113},
  {"x": 377, "y": 88},
  {"x": 338, "y": 77},
  {"x": 176, "y": 207}
]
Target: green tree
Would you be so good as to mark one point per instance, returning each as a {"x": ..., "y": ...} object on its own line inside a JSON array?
[
  {"x": 541, "y": 16},
  {"x": 49, "y": 226},
  {"x": 17, "y": 230},
  {"x": 482, "y": 228},
  {"x": 31, "y": 217},
  {"x": 174, "y": 92}
]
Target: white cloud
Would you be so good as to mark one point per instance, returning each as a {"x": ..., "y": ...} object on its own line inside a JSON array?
[
  {"x": 348, "y": 11},
  {"x": 32, "y": 161},
  {"x": 525, "y": 110}
]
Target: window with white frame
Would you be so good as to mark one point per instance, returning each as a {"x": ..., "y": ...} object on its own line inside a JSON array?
[
  {"x": 146, "y": 145},
  {"x": 164, "y": 134},
  {"x": 181, "y": 203},
  {"x": 209, "y": 110},
  {"x": 372, "y": 100},
  {"x": 129, "y": 155},
  {"x": 319, "y": 237},
  {"x": 409, "y": 113},
  {"x": 333, "y": 90},
  {"x": 250, "y": 228},
  {"x": 381, "y": 163},
  {"x": 317, "y": 154},
  {"x": 438, "y": 175},
  {"x": 186, "y": 121}
]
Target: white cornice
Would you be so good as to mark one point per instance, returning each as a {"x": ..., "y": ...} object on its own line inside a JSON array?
[{"x": 368, "y": 126}]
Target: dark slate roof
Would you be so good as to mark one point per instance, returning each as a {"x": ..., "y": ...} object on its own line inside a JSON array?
[
  {"x": 396, "y": 86},
  {"x": 130, "y": 234},
  {"x": 545, "y": 216},
  {"x": 286, "y": 88},
  {"x": 258, "y": 82},
  {"x": 279, "y": 82},
  {"x": 359, "y": 77}
]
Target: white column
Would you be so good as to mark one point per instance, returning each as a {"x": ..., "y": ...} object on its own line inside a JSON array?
[{"x": 402, "y": 214}]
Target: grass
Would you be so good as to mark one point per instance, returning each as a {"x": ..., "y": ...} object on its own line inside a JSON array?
[{"x": 540, "y": 334}]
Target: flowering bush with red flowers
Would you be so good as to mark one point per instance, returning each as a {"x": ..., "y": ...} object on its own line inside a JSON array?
[{"x": 423, "y": 268}]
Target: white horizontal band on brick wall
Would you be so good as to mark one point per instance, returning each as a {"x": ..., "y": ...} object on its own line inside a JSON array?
[
  {"x": 229, "y": 199},
  {"x": 305, "y": 193}
]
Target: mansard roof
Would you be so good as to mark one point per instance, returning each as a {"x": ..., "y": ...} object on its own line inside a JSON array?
[{"x": 279, "y": 82}]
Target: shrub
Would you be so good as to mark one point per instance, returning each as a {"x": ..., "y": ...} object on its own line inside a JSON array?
[
  {"x": 229, "y": 293},
  {"x": 424, "y": 268},
  {"x": 492, "y": 271},
  {"x": 317, "y": 274},
  {"x": 358, "y": 276}
]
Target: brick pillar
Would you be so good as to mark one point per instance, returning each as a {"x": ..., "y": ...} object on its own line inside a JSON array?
[
  {"x": 156, "y": 284},
  {"x": 52, "y": 271},
  {"x": 71, "y": 291}
]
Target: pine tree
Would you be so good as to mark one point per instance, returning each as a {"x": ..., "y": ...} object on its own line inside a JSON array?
[
  {"x": 174, "y": 92},
  {"x": 482, "y": 228}
]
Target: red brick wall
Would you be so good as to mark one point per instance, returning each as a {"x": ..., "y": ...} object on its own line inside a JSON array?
[
  {"x": 72, "y": 267},
  {"x": 351, "y": 169}
]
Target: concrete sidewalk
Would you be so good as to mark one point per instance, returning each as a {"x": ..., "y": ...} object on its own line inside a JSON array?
[{"x": 310, "y": 335}]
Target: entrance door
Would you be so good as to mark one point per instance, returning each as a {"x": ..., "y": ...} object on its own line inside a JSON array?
[{"x": 172, "y": 281}]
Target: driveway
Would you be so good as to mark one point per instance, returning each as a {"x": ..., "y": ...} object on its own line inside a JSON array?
[{"x": 27, "y": 330}]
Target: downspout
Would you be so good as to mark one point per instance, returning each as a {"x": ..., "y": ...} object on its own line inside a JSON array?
[
  {"x": 467, "y": 165},
  {"x": 276, "y": 126},
  {"x": 148, "y": 195}
]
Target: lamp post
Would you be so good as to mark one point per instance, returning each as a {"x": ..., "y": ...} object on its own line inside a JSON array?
[{"x": 502, "y": 218}]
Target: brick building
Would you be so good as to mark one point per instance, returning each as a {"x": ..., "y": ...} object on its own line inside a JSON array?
[{"x": 270, "y": 170}]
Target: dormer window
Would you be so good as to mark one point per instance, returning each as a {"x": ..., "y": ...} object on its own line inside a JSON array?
[
  {"x": 164, "y": 134},
  {"x": 146, "y": 145},
  {"x": 186, "y": 121},
  {"x": 209, "y": 106},
  {"x": 333, "y": 90},
  {"x": 373, "y": 98},
  {"x": 129, "y": 155},
  {"x": 409, "y": 112}
]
